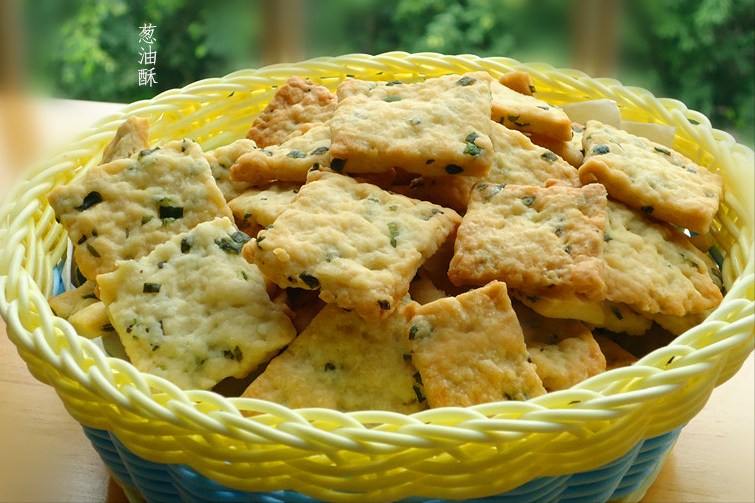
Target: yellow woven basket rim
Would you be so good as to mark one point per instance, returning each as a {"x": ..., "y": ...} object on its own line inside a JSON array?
[{"x": 374, "y": 455}]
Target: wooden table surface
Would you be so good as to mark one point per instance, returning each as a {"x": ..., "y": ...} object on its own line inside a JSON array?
[{"x": 44, "y": 455}]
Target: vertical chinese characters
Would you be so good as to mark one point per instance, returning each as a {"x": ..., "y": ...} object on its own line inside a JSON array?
[{"x": 147, "y": 56}]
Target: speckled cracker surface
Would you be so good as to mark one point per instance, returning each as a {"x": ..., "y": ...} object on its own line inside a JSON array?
[
  {"x": 516, "y": 161},
  {"x": 650, "y": 177},
  {"x": 436, "y": 127},
  {"x": 259, "y": 207},
  {"x": 221, "y": 159},
  {"x": 194, "y": 311},
  {"x": 535, "y": 239},
  {"x": 123, "y": 209},
  {"x": 359, "y": 244},
  {"x": 528, "y": 114},
  {"x": 564, "y": 351},
  {"x": 342, "y": 362},
  {"x": 653, "y": 268},
  {"x": 289, "y": 162},
  {"x": 464, "y": 360},
  {"x": 131, "y": 138},
  {"x": 296, "y": 103},
  {"x": 570, "y": 151}
]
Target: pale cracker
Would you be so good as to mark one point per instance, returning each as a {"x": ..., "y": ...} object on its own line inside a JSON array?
[
  {"x": 613, "y": 316},
  {"x": 528, "y": 114},
  {"x": 516, "y": 161},
  {"x": 221, "y": 159},
  {"x": 257, "y": 208},
  {"x": 464, "y": 360},
  {"x": 359, "y": 244},
  {"x": 131, "y": 138},
  {"x": 288, "y": 162},
  {"x": 436, "y": 127},
  {"x": 564, "y": 351},
  {"x": 342, "y": 362},
  {"x": 194, "y": 311},
  {"x": 650, "y": 177},
  {"x": 123, "y": 209},
  {"x": 83, "y": 310},
  {"x": 67, "y": 303},
  {"x": 535, "y": 239},
  {"x": 653, "y": 268},
  {"x": 518, "y": 81},
  {"x": 298, "y": 102}
]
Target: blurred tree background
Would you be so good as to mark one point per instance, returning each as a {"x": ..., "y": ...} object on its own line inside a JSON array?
[{"x": 698, "y": 51}]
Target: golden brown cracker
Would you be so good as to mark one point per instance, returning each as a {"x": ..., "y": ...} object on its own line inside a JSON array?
[
  {"x": 564, "y": 351},
  {"x": 464, "y": 361},
  {"x": 342, "y": 362},
  {"x": 360, "y": 245},
  {"x": 436, "y": 127},
  {"x": 288, "y": 162},
  {"x": 518, "y": 81},
  {"x": 297, "y": 103},
  {"x": 535, "y": 239},
  {"x": 528, "y": 114},
  {"x": 653, "y": 268},
  {"x": 650, "y": 177}
]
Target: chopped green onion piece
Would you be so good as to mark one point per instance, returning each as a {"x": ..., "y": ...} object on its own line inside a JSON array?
[
  {"x": 90, "y": 200},
  {"x": 151, "y": 288}
]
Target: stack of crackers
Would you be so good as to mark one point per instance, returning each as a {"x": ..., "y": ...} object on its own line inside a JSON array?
[{"x": 391, "y": 246}]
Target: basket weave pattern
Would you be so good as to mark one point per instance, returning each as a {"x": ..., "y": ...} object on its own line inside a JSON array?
[{"x": 373, "y": 455}]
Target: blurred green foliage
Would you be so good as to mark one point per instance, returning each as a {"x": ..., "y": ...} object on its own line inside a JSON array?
[{"x": 698, "y": 51}]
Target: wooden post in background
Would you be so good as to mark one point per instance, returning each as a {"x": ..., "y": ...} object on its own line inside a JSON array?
[
  {"x": 17, "y": 125},
  {"x": 282, "y": 31},
  {"x": 595, "y": 36}
]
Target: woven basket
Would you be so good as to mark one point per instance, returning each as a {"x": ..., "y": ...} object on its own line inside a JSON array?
[{"x": 456, "y": 453}]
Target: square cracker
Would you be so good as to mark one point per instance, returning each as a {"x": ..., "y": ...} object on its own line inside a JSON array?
[
  {"x": 221, "y": 159},
  {"x": 342, "y": 362},
  {"x": 650, "y": 177},
  {"x": 194, "y": 311},
  {"x": 131, "y": 137},
  {"x": 436, "y": 127},
  {"x": 470, "y": 349},
  {"x": 359, "y": 244},
  {"x": 516, "y": 161},
  {"x": 298, "y": 102},
  {"x": 536, "y": 239},
  {"x": 654, "y": 268},
  {"x": 528, "y": 114},
  {"x": 564, "y": 351},
  {"x": 123, "y": 209},
  {"x": 288, "y": 162}
]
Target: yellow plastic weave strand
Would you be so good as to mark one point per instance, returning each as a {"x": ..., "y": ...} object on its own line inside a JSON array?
[{"x": 372, "y": 455}]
